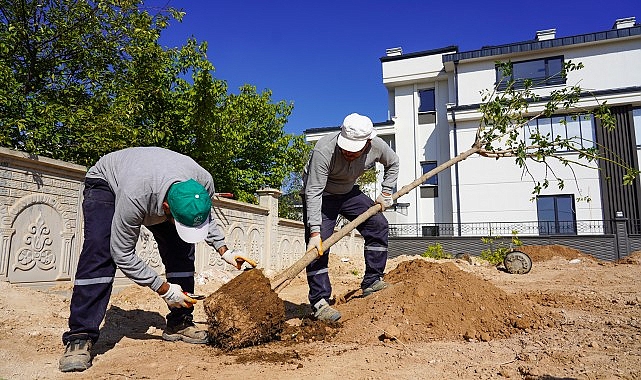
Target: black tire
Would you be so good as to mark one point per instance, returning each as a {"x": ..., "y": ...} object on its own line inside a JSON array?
[{"x": 517, "y": 262}]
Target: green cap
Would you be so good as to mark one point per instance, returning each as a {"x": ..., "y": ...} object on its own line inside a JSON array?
[{"x": 190, "y": 206}]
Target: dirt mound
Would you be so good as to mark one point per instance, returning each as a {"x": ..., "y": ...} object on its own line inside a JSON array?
[
  {"x": 540, "y": 253},
  {"x": 436, "y": 301},
  {"x": 634, "y": 258}
]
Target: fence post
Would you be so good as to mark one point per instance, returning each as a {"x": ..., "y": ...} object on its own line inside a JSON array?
[
  {"x": 621, "y": 235},
  {"x": 268, "y": 197}
]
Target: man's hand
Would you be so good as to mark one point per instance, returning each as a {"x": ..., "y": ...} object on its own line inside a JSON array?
[
  {"x": 316, "y": 242},
  {"x": 176, "y": 298},
  {"x": 385, "y": 200},
  {"x": 237, "y": 258}
]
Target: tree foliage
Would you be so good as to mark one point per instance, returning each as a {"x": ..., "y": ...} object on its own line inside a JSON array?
[
  {"x": 80, "y": 78},
  {"x": 367, "y": 182},
  {"x": 290, "y": 204}
]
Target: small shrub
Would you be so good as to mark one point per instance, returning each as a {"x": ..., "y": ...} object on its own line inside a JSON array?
[
  {"x": 497, "y": 254},
  {"x": 436, "y": 251}
]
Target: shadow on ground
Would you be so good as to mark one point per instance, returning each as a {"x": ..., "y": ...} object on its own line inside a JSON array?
[{"x": 120, "y": 323}]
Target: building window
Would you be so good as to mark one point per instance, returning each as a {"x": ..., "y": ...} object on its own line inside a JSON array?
[
  {"x": 430, "y": 231},
  {"x": 426, "y": 100},
  {"x": 429, "y": 188},
  {"x": 541, "y": 72},
  {"x": 426, "y": 106},
  {"x": 578, "y": 129},
  {"x": 556, "y": 214}
]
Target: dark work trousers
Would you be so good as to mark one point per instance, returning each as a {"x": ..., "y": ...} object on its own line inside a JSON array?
[
  {"x": 96, "y": 268},
  {"x": 374, "y": 230}
]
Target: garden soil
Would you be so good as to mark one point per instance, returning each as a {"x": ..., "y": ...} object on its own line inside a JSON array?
[{"x": 570, "y": 317}]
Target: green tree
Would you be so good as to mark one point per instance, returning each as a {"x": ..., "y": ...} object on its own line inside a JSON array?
[
  {"x": 80, "y": 78},
  {"x": 290, "y": 204},
  {"x": 367, "y": 182},
  {"x": 505, "y": 114}
]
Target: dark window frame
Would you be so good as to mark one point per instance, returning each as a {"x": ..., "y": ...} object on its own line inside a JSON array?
[
  {"x": 429, "y": 188},
  {"x": 428, "y": 108},
  {"x": 556, "y": 226},
  {"x": 636, "y": 120},
  {"x": 432, "y": 181},
  {"x": 585, "y": 123},
  {"x": 548, "y": 79}
]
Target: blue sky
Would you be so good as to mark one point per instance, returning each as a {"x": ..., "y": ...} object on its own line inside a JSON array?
[{"x": 323, "y": 56}]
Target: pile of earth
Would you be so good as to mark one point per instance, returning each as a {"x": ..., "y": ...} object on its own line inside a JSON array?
[
  {"x": 427, "y": 301},
  {"x": 539, "y": 253},
  {"x": 634, "y": 258}
]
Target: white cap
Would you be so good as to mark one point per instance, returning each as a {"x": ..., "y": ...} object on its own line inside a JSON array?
[
  {"x": 355, "y": 132},
  {"x": 193, "y": 234}
]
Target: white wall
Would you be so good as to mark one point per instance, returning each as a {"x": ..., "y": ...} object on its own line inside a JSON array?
[
  {"x": 615, "y": 65},
  {"x": 412, "y": 70},
  {"x": 606, "y": 66},
  {"x": 499, "y": 190},
  {"x": 416, "y": 142}
]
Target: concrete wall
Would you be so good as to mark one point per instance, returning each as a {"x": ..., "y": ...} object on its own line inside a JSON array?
[{"x": 41, "y": 226}]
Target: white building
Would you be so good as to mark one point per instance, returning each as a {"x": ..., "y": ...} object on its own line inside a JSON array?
[{"x": 434, "y": 99}]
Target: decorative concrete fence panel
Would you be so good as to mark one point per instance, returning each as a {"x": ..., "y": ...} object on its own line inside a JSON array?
[
  {"x": 40, "y": 205},
  {"x": 41, "y": 226}
]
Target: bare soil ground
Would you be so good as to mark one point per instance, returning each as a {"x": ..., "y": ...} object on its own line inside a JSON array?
[{"x": 570, "y": 317}]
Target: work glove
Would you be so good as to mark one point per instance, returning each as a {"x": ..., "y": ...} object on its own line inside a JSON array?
[
  {"x": 316, "y": 242},
  {"x": 176, "y": 298},
  {"x": 237, "y": 258},
  {"x": 385, "y": 199}
]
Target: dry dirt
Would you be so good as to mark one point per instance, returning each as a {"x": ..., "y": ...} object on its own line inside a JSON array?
[{"x": 570, "y": 317}]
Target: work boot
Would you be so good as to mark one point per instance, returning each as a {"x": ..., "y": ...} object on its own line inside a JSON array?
[
  {"x": 326, "y": 313},
  {"x": 375, "y": 287},
  {"x": 185, "y": 331},
  {"x": 77, "y": 356}
]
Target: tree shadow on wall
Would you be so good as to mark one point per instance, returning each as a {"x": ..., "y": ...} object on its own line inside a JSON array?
[{"x": 134, "y": 324}]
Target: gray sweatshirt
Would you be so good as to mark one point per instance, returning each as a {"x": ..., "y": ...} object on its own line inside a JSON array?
[
  {"x": 327, "y": 171},
  {"x": 140, "y": 178}
]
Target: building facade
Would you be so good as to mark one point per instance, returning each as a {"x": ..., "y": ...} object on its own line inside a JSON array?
[{"x": 434, "y": 102}]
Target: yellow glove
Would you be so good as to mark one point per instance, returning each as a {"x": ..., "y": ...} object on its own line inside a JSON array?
[
  {"x": 316, "y": 242},
  {"x": 237, "y": 258}
]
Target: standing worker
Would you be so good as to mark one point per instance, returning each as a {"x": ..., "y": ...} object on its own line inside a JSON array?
[
  {"x": 171, "y": 195},
  {"x": 329, "y": 189}
]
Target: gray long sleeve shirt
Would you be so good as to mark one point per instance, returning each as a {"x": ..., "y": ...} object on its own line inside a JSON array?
[
  {"x": 327, "y": 171},
  {"x": 140, "y": 178}
]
